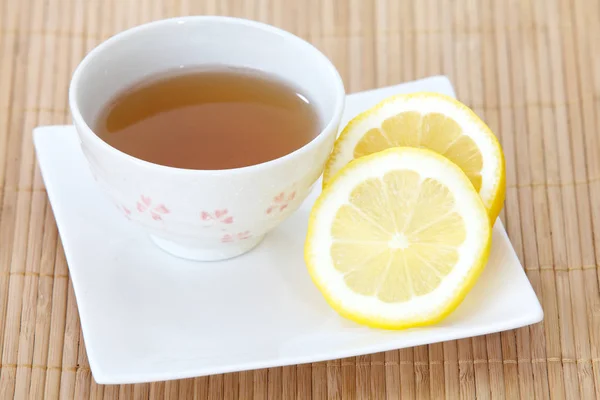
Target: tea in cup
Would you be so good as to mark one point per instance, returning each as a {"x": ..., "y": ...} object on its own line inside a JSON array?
[{"x": 207, "y": 132}]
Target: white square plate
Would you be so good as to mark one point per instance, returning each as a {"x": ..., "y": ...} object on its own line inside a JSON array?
[{"x": 148, "y": 316}]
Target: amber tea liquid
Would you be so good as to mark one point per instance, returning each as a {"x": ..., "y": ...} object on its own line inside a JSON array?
[{"x": 209, "y": 119}]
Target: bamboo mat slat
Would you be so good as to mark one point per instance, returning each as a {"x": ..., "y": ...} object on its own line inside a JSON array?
[{"x": 531, "y": 69}]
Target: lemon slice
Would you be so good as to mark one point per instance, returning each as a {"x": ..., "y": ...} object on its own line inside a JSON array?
[
  {"x": 397, "y": 238},
  {"x": 431, "y": 121}
]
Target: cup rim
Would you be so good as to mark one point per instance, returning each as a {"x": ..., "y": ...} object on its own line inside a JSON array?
[{"x": 89, "y": 58}]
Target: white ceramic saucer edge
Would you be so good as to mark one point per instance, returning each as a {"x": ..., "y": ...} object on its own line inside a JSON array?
[{"x": 329, "y": 337}]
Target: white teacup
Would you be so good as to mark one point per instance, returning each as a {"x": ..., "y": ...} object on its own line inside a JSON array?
[{"x": 202, "y": 214}]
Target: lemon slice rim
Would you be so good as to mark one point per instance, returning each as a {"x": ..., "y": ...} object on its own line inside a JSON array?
[
  {"x": 493, "y": 189},
  {"x": 380, "y": 315}
]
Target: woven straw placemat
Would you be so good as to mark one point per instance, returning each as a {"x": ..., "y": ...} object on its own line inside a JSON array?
[{"x": 530, "y": 68}]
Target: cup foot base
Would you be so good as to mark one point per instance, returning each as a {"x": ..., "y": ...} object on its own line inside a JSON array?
[{"x": 222, "y": 252}]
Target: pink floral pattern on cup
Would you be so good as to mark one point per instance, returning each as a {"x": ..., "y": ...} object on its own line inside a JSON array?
[
  {"x": 126, "y": 211},
  {"x": 218, "y": 216},
  {"x": 281, "y": 202},
  {"x": 234, "y": 237},
  {"x": 156, "y": 211}
]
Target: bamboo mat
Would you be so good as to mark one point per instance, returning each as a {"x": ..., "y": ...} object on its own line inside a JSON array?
[{"x": 530, "y": 68}]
